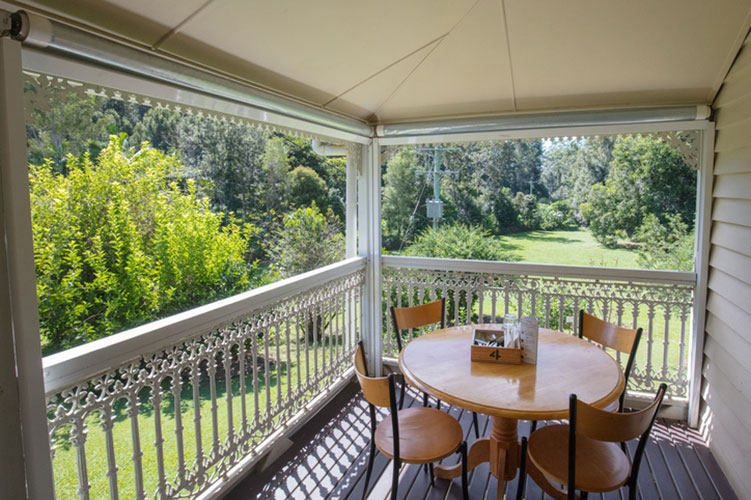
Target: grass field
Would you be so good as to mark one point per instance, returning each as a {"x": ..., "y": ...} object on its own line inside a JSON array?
[
  {"x": 577, "y": 247},
  {"x": 278, "y": 383}
]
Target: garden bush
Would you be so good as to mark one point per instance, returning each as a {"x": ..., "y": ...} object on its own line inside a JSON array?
[
  {"x": 556, "y": 215},
  {"x": 123, "y": 239},
  {"x": 459, "y": 242}
]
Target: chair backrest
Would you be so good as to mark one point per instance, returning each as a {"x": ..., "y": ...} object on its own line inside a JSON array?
[
  {"x": 405, "y": 318},
  {"x": 375, "y": 389},
  {"x": 625, "y": 340},
  {"x": 378, "y": 391},
  {"x": 616, "y": 337},
  {"x": 615, "y": 427},
  {"x": 588, "y": 421}
]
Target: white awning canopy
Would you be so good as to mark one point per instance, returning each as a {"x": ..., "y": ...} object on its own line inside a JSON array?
[{"x": 392, "y": 61}]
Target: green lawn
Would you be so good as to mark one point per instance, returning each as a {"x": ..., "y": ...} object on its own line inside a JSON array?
[
  {"x": 576, "y": 247},
  {"x": 64, "y": 463}
]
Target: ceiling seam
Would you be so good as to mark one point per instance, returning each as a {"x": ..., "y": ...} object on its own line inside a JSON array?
[
  {"x": 396, "y": 89},
  {"x": 404, "y": 80},
  {"x": 384, "y": 69},
  {"x": 508, "y": 52},
  {"x": 179, "y": 26}
]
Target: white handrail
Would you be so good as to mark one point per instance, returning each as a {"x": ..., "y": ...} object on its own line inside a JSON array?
[
  {"x": 83, "y": 362},
  {"x": 528, "y": 269}
]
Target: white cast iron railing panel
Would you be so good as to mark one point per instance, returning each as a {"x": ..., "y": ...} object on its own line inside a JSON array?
[
  {"x": 169, "y": 423},
  {"x": 659, "y": 302}
]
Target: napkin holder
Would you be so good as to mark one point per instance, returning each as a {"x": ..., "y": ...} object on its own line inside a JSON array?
[{"x": 493, "y": 354}]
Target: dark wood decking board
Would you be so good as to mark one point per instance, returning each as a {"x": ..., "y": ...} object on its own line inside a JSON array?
[{"x": 328, "y": 459}]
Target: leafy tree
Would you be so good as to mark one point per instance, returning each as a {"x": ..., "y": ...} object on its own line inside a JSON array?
[
  {"x": 557, "y": 164},
  {"x": 332, "y": 170},
  {"x": 308, "y": 239},
  {"x": 403, "y": 194},
  {"x": 117, "y": 244},
  {"x": 307, "y": 188},
  {"x": 160, "y": 127},
  {"x": 225, "y": 158},
  {"x": 525, "y": 206},
  {"x": 666, "y": 246},
  {"x": 276, "y": 167},
  {"x": 501, "y": 205},
  {"x": 556, "y": 215},
  {"x": 646, "y": 177},
  {"x": 511, "y": 164},
  {"x": 336, "y": 183},
  {"x": 571, "y": 168},
  {"x": 65, "y": 124},
  {"x": 457, "y": 241}
]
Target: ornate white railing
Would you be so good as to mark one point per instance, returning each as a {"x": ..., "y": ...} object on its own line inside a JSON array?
[
  {"x": 167, "y": 409},
  {"x": 479, "y": 291}
]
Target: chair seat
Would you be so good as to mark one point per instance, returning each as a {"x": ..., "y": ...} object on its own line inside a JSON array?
[
  {"x": 426, "y": 435},
  {"x": 600, "y": 466}
]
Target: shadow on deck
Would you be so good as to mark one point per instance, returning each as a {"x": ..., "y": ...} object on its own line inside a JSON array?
[{"x": 328, "y": 459}]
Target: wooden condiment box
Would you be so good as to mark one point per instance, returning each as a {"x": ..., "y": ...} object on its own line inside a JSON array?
[{"x": 493, "y": 354}]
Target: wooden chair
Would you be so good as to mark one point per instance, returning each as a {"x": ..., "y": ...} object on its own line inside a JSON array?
[
  {"x": 616, "y": 337},
  {"x": 582, "y": 455},
  {"x": 405, "y": 318},
  {"x": 417, "y": 435}
]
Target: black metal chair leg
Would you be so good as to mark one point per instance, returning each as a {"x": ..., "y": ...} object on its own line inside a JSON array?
[
  {"x": 583, "y": 495},
  {"x": 395, "y": 480},
  {"x": 432, "y": 476},
  {"x": 632, "y": 491},
  {"x": 370, "y": 468},
  {"x": 465, "y": 485},
  {"x": 425, "y": 399},
  {"x": 438, "y": 404},
  {"x": 401, "y": 396},
  {"x": 522, "y": 471},
  {"x": 534, "y": 426},
  {"x": 477, "y": 425}
]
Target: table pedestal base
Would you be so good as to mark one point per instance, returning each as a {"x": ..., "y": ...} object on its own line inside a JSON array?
[{"x": 501, "y": 450}]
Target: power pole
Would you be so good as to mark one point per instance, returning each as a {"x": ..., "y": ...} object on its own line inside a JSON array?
[{"x": 435, "y": 205}]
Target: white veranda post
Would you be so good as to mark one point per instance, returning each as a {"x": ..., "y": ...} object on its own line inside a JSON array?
[
  {"x": 20, "y": 296},
  {"x": 369, "y": 246}
]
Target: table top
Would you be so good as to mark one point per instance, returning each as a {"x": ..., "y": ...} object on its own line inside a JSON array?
[{"x": 439, "y": 364}]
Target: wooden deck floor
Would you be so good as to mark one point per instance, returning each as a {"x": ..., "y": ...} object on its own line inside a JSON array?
[{"x": 328, "y": 458}]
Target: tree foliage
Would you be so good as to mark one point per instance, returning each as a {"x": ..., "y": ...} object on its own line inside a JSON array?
[
  {"x": 123, "y": 239},
  {"x": 404, "y": 194},
  {"x": 307, "y": 239},
  {"x": 307, "y": 188},
  {"x": 646, "y": 177},
  {"x": 666, "y": 246},
  {"x": 459, "y": 242},
  {"x": 68, "y": 124}
]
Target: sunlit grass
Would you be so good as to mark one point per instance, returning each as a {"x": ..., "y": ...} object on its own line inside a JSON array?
[
  {"x": 280, "y": 380},
  {"x": 577, "y": 247}
]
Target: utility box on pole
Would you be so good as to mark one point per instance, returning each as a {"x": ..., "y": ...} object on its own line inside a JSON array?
[{"x": 435, "y": 209}]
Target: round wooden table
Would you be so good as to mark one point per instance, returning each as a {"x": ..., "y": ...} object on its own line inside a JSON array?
[{"x": 439, "y": 363}]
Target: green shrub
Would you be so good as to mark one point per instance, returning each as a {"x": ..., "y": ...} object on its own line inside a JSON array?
[
  {"x": 307, "y": 240},
  {"x": 556, "y": 215},
  {"x": 665, "y": 246},
  {"x": 459, "y": 242},
  {"x": 525, "y": 206},
  {"x": 123, "y": 240}
]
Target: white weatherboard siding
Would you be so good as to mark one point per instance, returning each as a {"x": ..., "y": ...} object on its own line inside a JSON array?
[{"x": 726, "y": 390}]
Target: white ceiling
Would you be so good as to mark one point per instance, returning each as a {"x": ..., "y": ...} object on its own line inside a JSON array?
[{"x": 395, "y": 60}]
